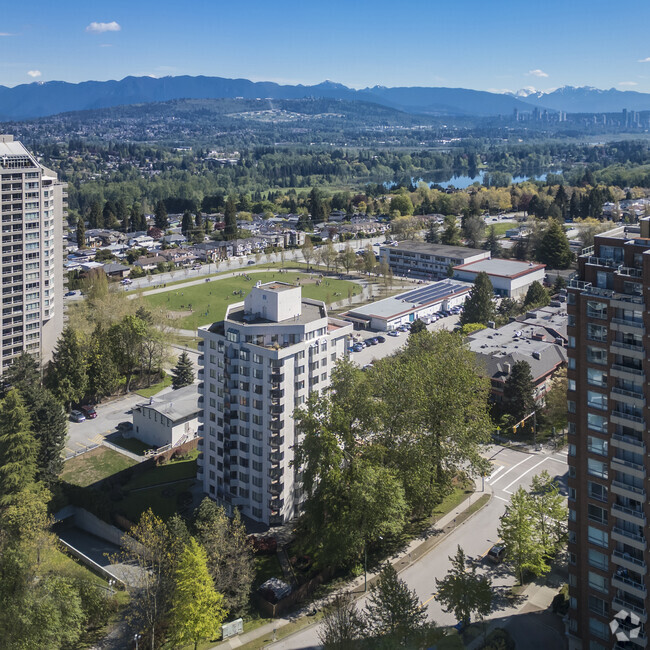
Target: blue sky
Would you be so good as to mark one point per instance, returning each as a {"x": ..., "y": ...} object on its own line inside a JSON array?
[{"x": 486, "y": 44}]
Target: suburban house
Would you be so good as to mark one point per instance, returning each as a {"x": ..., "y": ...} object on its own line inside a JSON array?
[{"x": 115, "y": 270}]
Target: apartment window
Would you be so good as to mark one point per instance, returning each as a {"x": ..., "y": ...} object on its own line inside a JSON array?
[
  {"x": 596, "y": 400},
  {"x": 572, "y": 342},
  {"x": 572, "y": 450},
  {"x": 572, "y": 494},
  {"x": 571, "y": 406},
  {"x": 257, "y": 358},
  {"x": 596, "y": 355},
  {"x": 597, "y": 446},
  {"x": 596, "y": 468},
  {"x": 257, "y": 497},
  {"x": 596, "y": 377},
  {"x": 596, "y": 332},
  {"x": 257, "y": 466},
  {"x": 598, "y": 628},
  {"x": 258, "y": 419},
  {"x": 599, "y": 515},
  {"x": 597, "y": 491},
  {"x": 598, "y": 606},
  {"x": 257, "y": 373},
  {"x": 257, "y": 512},
  {"x": 597, "y": 536},
  {"x": 572, "y": 363},
  {"x": 571, "y": 384},
  {"x": 597, "y": 422},
  {"x": 598, "y": 582},
  {"x": 257, "y": 451},
  {"x": 257, "y": 404},
  {"x": 596, "y": 309},
  {"x": 572, "y": 515}
]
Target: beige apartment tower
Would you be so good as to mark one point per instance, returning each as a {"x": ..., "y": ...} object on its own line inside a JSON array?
[{"x": 32, "y": 200}]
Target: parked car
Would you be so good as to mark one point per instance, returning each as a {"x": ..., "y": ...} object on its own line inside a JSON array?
[
  {"x": 89, "y": 411},
  {"x": 77, "y": 416},
  {"x": 380, "y": 339},
  {"x": 496, "y": 554},
  {"x": 126, "y": 281},
  {"x": 70, "y": 293},
  {"x": 250, "y": 262},
  {"x": 393, "y": 333}
]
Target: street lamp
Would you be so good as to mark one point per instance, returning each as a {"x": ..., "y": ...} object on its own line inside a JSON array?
[{"x": 136, "y": 638}]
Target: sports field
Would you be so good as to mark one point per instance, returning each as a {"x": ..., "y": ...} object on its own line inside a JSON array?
[{"x": 206, "y": 302}]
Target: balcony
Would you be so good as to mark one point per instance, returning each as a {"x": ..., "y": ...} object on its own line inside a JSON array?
[
  {"x": 628, "y": 562},
  {"x": 627, "y": 397},
  {"x": 275, "y": 473},
  {"x": 627, "y": 420},
  {"x": 629, "y": 586},
  {"x": 634, "y": 325},
  {"x": 628, "y": 443},
  {"x": 627, "y": 491},
  {"x": 276, "y": 457},
  {"x": 276, "y": 487},
  {"x": 626, "y": 537},
  {"x": 619, "y": 603},
  {"x": 628, "y": 467},
  {"x": 625, "y": 372},
  {"x": 629, "y": 514}
]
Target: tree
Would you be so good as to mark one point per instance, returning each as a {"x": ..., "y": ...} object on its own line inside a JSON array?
[
  {"x": 473, "y": 227},
  {"x": 518, "y": 391},
  {"x": 308, "y": 250},
  {"x": 417, "y": 326},
  {"x": 22, "y": 374},
  {"x": 126, "y": 337},
  {"x": 160, "y": 216},
  {"x": 549, "y": 510},
  {"x": 492, "y": 242},
  {"x": 347, "y": 257},
  {"x": 518, "y": 531},
  {"x": 328, "y": 254},
  {"x": 103, "y": 377},
  {"x": 186, "y": 223},
  {"x": 536, "y": 296},
  {"x": 479, "y": 306},
  {"x": 183, "y": 372},
  {"x": 393, "y": 610},
  {"x": 402, "y": 203},
  {"x": 150, "y": 584},
  {"x": 342, "y": 625},
  {"x": 317, "y": 207},
  {"x": 66, "y": 374},
  {"x": 230, "y": 217},
  {"x": 451, "y": 233},
  {"x": 555, "y": 408},
  {"x": 197, "y": 610},
  {"x": 230, "y": 557},
  {"x": 463, "y": 592},
  {"x": 18, "y": 449},
  {"x": 81, "y": 232},
  {"x": 95, "y": 218},
  {"x": 433, "y": 234},
  {"x": 554, "y": 249}
]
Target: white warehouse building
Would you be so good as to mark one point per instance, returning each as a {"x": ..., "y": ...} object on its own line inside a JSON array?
[
  {"x": 510, "y": 278},
  {"x": 258, "y": 364}
]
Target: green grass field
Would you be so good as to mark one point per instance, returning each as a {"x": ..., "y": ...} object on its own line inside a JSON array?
[
  {"x": 206, "y": 302},
  {"x": 94, "y": 465},
  {"x": 499, "y": 228}
]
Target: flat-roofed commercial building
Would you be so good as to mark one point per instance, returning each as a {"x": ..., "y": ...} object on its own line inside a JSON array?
[
  {"x": 510, "y": 278},
  {"x": 427, "y": 261},
  {"x": 258, "y": 364},
  {"x": 32, "y": 202}
]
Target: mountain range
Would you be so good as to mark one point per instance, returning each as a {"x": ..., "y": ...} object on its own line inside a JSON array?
[{"x": 42, "y": 99}]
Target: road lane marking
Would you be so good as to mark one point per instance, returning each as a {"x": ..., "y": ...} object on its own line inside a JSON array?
[
  {"x": 428, "y": 600},
  {"x": 496, "y": 496},
  {"x": 513, "y": 467},
  {"x": 557, "y": 460},
  {"x": 505, "y": 489},
  {"x": 495, "y": 472}
]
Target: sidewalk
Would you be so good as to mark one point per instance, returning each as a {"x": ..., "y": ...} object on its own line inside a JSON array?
[{"x": 415, "y": 550}]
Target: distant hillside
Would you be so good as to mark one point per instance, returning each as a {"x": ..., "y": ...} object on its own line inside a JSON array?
[{"x": 49, "y": 98}]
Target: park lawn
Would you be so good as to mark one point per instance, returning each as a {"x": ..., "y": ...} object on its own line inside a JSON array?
[
  {"x": 499, "y": 228},
  {"x": 174, "y": 470},
  {"x": 154, "y": 389},
  {"x": 95, "y": 465},
  {"x": 133, "y": 445},
  {"x": 57, "y": 562},
  {"x": 162, "y": 500},
  {"x": 208, "y": 300}
]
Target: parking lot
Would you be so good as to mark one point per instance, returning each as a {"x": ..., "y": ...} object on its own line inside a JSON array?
[{"x": 392, "y": 344}]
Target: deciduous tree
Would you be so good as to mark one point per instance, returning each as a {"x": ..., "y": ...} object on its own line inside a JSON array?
[{"x": 342, "y": 626}]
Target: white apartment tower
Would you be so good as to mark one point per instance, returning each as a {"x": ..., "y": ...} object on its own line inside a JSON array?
[
  {"x": 261, "y": 362},
  {"x": 32, "y": 201}
]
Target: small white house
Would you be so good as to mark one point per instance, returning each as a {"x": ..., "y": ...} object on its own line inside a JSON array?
[{"x": 168, "y": 420}]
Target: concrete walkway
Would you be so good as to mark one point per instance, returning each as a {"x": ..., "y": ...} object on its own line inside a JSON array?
[{"x": 410, "y": 554}]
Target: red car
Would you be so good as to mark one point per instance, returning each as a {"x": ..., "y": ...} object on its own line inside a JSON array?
[{"x": 89, "y": 412}]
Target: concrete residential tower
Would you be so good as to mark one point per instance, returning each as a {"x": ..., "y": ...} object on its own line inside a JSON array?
[
  {"x": 608, "y": 391},
  {"x": 32, "y": 201},
  {"x": 260, "y": 363}
]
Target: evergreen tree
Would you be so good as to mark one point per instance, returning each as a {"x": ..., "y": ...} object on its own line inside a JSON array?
[
  {"x": 183, "y": 372},
  {"x": 230, "y": 217},
  {"x": 95, "y": 218},
  {"x": 417, "y": 326},
  {"x": 23, "y": 373},
  {"x": 492, "y": 242},
  {"x": 518, "y": 391},
  {"x": 451, "y": 233},
  {"x": 393, "y": 610},
  {"x": 574, "y": 207},
  {"x": 479, "y": 306},
  {"x": 433, "y": 234},
  {"x": 122, "y": 215},
  {"x": 197, "y": 610},
  {"x": 464, "y": 592},
  {"x": 536, "y": 296},
  {"x": 81, "y": 232},
  {"x": 160, "y": 216},
  {"x": 561, "y": 200},
  {"x": 554, "y": 249},
  {"x": 186, "y": 223},
  {"x": 109, "y": 215},
  {"x": 473, "y": 227},
  {"x": 66, "y": 374},
  {"x": 317, "y": 207},
  {"x": 103, "y": 377},
  {"x": 18, "y": 449}
]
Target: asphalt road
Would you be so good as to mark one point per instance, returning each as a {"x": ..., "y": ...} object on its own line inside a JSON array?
[{"x": 511, "y": 469}]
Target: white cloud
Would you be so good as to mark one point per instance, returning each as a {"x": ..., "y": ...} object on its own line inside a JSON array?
[
  {"x": 106, "y": 45},
  {"x": 627, "y": 83},
  {"x": 34, "y": 73},
  {"x": 537, "y": 73},
  {"x": 646, "y": 60},
  {"x": 6, "y": 34},
  {"x": 100, "y": 28}
]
